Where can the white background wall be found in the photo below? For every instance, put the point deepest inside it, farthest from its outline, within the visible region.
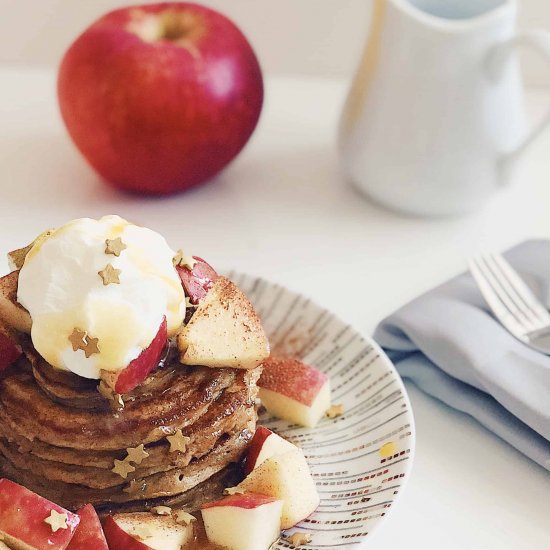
(313, 37)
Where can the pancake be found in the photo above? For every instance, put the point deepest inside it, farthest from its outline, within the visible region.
(60, 437)
(176, 438)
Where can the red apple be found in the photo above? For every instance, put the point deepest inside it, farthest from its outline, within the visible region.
(138, 370)
(89, 533)
(9, 349)
(264, 445)
(160, 97)
(145, 531)
(197, 281)
(294, 391)
(22, 520)
(243, 522)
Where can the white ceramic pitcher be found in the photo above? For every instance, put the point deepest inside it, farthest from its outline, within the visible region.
(435, 113)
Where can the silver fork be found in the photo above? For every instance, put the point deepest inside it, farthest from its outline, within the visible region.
(512, 301)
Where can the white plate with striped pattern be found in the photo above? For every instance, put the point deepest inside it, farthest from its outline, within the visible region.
(361, 460)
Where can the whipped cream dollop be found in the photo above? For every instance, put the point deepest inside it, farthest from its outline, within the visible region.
(68, 288)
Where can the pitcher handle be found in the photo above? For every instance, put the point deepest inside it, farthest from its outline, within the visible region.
(539, 41)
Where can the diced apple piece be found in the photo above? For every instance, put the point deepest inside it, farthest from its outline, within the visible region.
(264, 445)
(224, 331)
(16, 258)
(119, 539)
(89, 533)
(197, 281)
(285, 477)
(22, 520)
(145, 531)
(294, 391)
(138, 369)
(9, 348)
(243, 522)
(12, 313)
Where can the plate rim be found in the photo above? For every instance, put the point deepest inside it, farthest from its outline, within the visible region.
(235, 274)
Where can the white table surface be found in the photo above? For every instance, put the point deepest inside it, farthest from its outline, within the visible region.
(283, 211)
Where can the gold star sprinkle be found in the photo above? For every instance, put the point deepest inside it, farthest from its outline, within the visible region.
(183, 518)
(162, 510)
(114, 246)
(183, 260)
(122, 468)
(137, 454)
(388, 449)
(119, 402)
(91, 347)
(56, 521)
(335, 410)
(297, 539)
(233, 491)
(81, 340)
(78, 339)
(177, 258)
(178, 442)
(110, 275)
(108, 393)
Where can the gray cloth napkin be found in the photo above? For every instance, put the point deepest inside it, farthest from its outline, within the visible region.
(448, 343)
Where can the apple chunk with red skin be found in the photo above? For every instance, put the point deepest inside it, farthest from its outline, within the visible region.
(285, 477)
(22, 515)
(10, 350)
(119, 539)
(264, 445)
(224, 331)
(294, 391)
(160, 97)
(197, 281)
(243, 522)
(89, 533)
(145, 531)
(138, 369)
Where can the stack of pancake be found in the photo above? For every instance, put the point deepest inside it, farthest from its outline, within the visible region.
(60, 437)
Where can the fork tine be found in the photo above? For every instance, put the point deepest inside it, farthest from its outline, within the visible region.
(502, 288)
(504, 310)
(521, 291)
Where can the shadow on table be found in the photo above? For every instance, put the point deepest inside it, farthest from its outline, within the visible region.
(44, 171)
(306, 180)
